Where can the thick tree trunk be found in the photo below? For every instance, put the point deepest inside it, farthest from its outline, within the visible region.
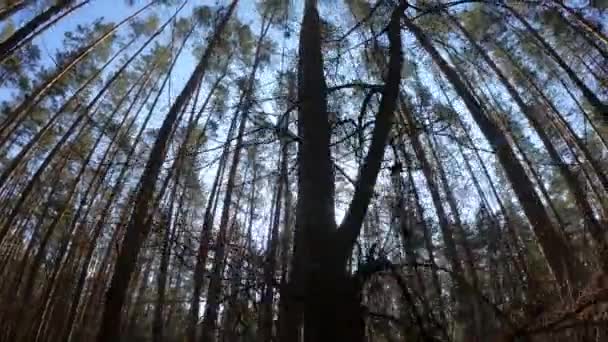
(321, 289)
(315, 207)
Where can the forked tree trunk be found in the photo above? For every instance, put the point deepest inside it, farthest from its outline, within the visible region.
(322, 292)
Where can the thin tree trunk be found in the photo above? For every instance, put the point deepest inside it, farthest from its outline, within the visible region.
(565, 267)
(208, 332)
(428, 240)
(571, 180)
(205, 239)
(586, 24)
(465, 309)
(600, 107)
(117, 188)
(157, 324)
(73, 221)
(66, 206)
(25, 150)
(8, 44)
(266, 316)
(9, 10)
(15, 116)
(21, 38)
(566, 130)
(134, 237)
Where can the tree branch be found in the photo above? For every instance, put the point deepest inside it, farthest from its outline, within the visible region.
(351, 226)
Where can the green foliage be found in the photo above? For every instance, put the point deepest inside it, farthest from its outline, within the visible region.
(145, 26)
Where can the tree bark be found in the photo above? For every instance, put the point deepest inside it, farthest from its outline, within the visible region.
(565, 267)
(20, 38)
(8, 44)
(571, 180)
(134, 237)
(15, 116)
(600, 107)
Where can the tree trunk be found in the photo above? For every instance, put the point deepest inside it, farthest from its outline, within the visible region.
(321, 289)
(564, 128)
(426, 231)
(134, 237)
(25, 150)
(9, 10)
(35, 27)
(15, 116)
(208, 332)
(266, 316)
(8, 44)
(465, 310)
(67, 205)
(205, 237)
(571, 180)
(566, 268)
(115, 191)
(169, 230)
(601, 108)
(56, 149)
(586, 24)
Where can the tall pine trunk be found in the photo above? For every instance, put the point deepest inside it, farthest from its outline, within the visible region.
(601, 108)
(572, 182)
(8, 44)
(134, 237)
(565, 267)
(15, 116)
